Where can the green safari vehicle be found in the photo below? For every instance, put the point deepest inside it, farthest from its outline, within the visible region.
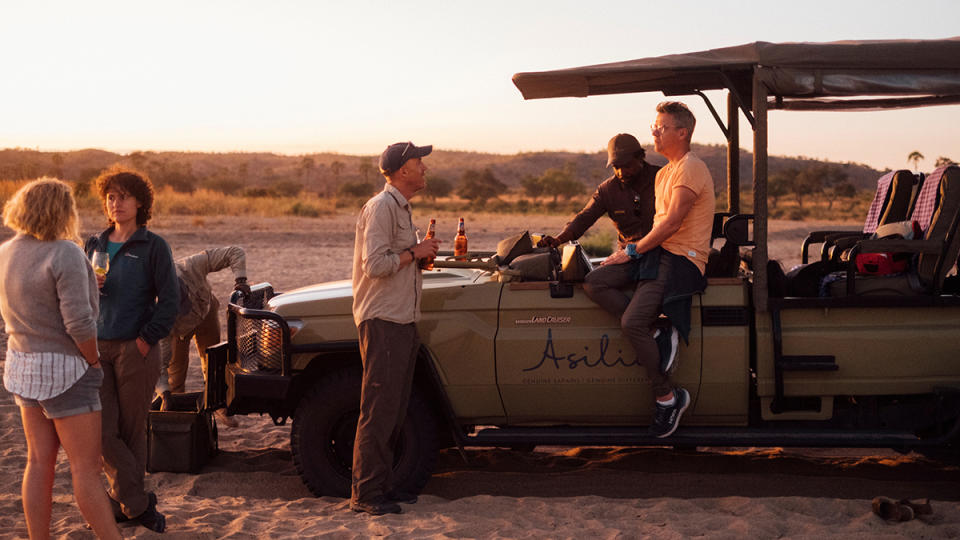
(507, 360)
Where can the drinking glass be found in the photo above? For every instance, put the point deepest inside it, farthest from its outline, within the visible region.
(101, 264)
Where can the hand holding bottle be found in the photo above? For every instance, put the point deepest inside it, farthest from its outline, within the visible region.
(426, 261)
(427, 249)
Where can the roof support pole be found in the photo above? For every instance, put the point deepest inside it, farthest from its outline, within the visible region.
(760, 190)
(716, 116)
(733, 155)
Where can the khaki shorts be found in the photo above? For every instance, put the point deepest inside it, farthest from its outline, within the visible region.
(83, 397)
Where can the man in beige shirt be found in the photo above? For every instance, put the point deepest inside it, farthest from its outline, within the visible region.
(198, 319)
(386, 308)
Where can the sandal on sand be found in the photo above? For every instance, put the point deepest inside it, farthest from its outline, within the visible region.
(891, 510)
(919, 508)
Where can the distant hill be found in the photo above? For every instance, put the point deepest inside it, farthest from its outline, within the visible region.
(324, 172)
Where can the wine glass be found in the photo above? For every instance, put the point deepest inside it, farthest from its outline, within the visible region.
(101, 264)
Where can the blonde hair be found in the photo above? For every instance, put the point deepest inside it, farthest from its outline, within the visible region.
(45, 209)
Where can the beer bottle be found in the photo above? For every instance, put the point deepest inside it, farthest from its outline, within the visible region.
(460, 243)
(427, 262)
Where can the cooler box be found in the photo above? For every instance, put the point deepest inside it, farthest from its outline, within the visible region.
(183, 438)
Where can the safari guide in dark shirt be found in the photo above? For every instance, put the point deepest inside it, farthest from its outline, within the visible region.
(627, 196)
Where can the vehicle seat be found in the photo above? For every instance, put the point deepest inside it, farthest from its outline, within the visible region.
(735, 230)
(893, 199)
(936, 253)
(891, 203)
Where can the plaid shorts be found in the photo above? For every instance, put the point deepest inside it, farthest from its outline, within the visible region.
(82, 397)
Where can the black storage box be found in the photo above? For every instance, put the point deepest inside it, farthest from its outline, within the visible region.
(183, 438)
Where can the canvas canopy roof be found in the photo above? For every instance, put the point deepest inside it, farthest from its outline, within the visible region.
(899, 73)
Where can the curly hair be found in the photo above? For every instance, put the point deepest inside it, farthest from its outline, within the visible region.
(45, 209)
(133, 183)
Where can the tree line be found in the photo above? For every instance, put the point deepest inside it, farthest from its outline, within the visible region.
(533, 178)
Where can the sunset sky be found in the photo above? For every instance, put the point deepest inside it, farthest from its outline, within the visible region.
(352, 76)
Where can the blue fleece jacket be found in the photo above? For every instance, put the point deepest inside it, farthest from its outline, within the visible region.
(141, 293)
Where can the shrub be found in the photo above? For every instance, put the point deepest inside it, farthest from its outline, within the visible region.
(798, 214)
(286, 188)
(304, 210)
(257, 192)
(226, 186)
(598, 244)
(359, 190)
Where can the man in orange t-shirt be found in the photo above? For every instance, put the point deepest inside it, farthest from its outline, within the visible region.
(680, 237)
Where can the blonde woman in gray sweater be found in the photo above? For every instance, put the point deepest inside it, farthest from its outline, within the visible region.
(49, 304)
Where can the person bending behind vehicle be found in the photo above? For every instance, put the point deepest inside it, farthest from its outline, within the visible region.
(48, 300)
(386, 307)
(677, 245)
(198, 318)
(627, 196)
(138, 304)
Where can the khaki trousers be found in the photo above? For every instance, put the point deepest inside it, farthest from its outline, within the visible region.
(389, 352)
(206, 334)
(128, 382)
(637, 315)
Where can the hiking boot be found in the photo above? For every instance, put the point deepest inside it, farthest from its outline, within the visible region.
(376, 507)
(668, 343)
(401, 497)
(150, 518)
(118, 514)
(667, 418)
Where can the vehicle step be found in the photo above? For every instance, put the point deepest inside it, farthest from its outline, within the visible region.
(691, 436)
(809, 363)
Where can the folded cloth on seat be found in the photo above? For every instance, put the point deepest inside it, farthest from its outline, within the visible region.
(684, 281)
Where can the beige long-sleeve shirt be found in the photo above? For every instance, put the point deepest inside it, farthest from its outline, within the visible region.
(381, 288)
(193, 270)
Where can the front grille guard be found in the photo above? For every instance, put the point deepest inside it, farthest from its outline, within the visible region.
(259, 340)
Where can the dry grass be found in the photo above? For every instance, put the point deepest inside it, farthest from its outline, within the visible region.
(205, 202)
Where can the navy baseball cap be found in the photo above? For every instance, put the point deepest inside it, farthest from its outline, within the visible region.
(399, 153)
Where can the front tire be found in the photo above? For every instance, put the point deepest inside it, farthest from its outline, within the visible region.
(324, 427)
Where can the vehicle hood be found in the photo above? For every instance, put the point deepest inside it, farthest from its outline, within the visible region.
(337, 296)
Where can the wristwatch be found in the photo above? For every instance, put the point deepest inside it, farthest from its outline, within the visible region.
(412, 256)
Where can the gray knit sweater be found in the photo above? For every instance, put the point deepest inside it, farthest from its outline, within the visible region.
(49, 299)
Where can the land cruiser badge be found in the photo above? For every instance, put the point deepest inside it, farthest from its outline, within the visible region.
(544, 319)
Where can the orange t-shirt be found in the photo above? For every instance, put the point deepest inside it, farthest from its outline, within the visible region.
(692, 240)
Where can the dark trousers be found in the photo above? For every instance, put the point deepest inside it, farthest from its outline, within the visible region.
(389, 352)
(637, 315)
(128, 382)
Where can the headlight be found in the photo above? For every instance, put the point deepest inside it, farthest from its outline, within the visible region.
(259, 345)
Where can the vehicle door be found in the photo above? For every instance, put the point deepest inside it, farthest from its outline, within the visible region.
(565, 360)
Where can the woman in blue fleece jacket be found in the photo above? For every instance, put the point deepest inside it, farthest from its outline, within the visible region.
(138, 305)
